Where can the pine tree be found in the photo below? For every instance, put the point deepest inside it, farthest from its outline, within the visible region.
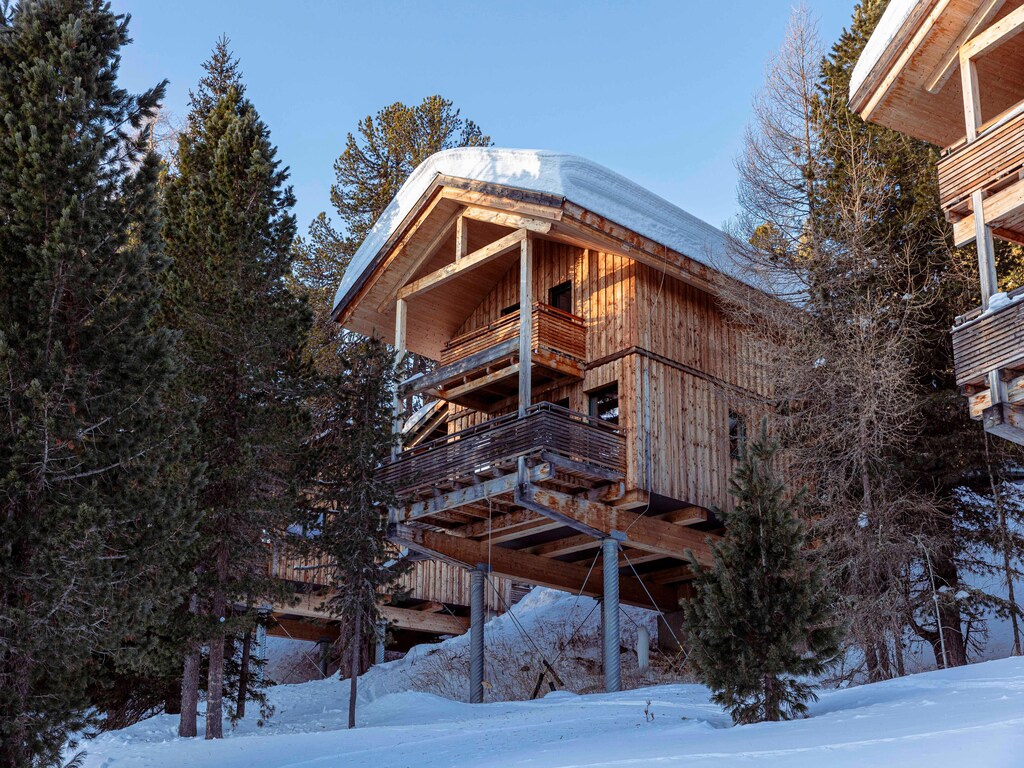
(95, 490)
(229, 232)
(387, 149)
(761, 620)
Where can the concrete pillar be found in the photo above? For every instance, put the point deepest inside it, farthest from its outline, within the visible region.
(612, 660)
(476, 636)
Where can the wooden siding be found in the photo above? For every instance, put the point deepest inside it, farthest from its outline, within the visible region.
(681, 365)
(431, 581)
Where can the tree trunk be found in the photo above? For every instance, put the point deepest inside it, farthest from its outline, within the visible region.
(189, 693)
(357, 652)
(172, 698)
(215, 679)
(243, 673)
(189, 700)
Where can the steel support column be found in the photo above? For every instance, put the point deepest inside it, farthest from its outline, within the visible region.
(612, 661)
(476, 636)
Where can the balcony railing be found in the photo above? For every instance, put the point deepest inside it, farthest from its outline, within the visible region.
(989, 341)
(497, 444)
(993, 159)
(479, 368)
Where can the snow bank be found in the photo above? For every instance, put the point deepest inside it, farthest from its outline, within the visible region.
(971, 716)
(577, 179)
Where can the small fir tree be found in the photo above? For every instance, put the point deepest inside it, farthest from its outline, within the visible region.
(355, 438)
(229, 231)
(761, 622)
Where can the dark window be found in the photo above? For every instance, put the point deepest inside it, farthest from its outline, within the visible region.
(737, 434)
(604, 404)
(510, 309)
(560, 297)
(563, 403)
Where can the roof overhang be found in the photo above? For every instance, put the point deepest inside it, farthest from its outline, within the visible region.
(908, 76)
(424, 243)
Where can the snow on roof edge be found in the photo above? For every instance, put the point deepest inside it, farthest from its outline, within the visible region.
(889, 26)
(588, 184)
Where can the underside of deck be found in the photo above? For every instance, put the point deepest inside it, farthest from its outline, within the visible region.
(532, 498)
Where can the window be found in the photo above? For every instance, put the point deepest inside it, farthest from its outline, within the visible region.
(560, 297)
(737, 434)
(562, 403)
(604, 404)
(510, 309)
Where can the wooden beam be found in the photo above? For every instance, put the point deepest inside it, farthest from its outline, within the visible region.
(456, 268)
(986, 249)
(505, 219)
(686, 516)
(297, 629)
(508, 526)
(441, 623)
(971, 97)
(505, 372)
(533, 569)
(396, 402)
(469, 494)
(1008, 26)
(647, 534)
(525, 323)
(425, 255)
(996, 206)
(941, 74)
(461, 238)
(569, 465)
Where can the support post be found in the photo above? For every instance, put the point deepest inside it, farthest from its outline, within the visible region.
(525, 324)
(461, 238)
(986, 249)
(382, 630)
(476, 636)
(612, 660)
(400, 323)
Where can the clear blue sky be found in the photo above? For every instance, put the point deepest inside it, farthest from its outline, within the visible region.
(658, 91)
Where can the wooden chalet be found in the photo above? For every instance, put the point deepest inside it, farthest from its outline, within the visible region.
(586, 397)
(951, 72)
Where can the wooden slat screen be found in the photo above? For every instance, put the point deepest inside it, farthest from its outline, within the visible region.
(988, 343)
(975, 166)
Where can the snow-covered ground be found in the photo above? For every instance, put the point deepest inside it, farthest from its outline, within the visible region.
(972, 716)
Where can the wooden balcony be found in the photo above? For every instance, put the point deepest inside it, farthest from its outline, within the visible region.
(991, 341)
(992, 164)
(480, 369)
(585, 449)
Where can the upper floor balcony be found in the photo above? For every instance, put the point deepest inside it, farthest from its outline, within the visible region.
(480, 369)
(991, 165)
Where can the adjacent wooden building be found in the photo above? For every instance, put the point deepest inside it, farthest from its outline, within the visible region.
(951, 72)
(586, 386)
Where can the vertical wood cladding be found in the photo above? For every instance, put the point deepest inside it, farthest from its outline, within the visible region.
(680, 364)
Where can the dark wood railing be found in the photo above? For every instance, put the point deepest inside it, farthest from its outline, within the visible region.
(993, 156)
(499, 442)
(553, 329)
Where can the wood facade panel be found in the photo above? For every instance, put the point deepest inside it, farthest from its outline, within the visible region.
(681, 366)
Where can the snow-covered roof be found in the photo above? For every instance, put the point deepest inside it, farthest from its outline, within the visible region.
(892, 21)
(585, 183)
